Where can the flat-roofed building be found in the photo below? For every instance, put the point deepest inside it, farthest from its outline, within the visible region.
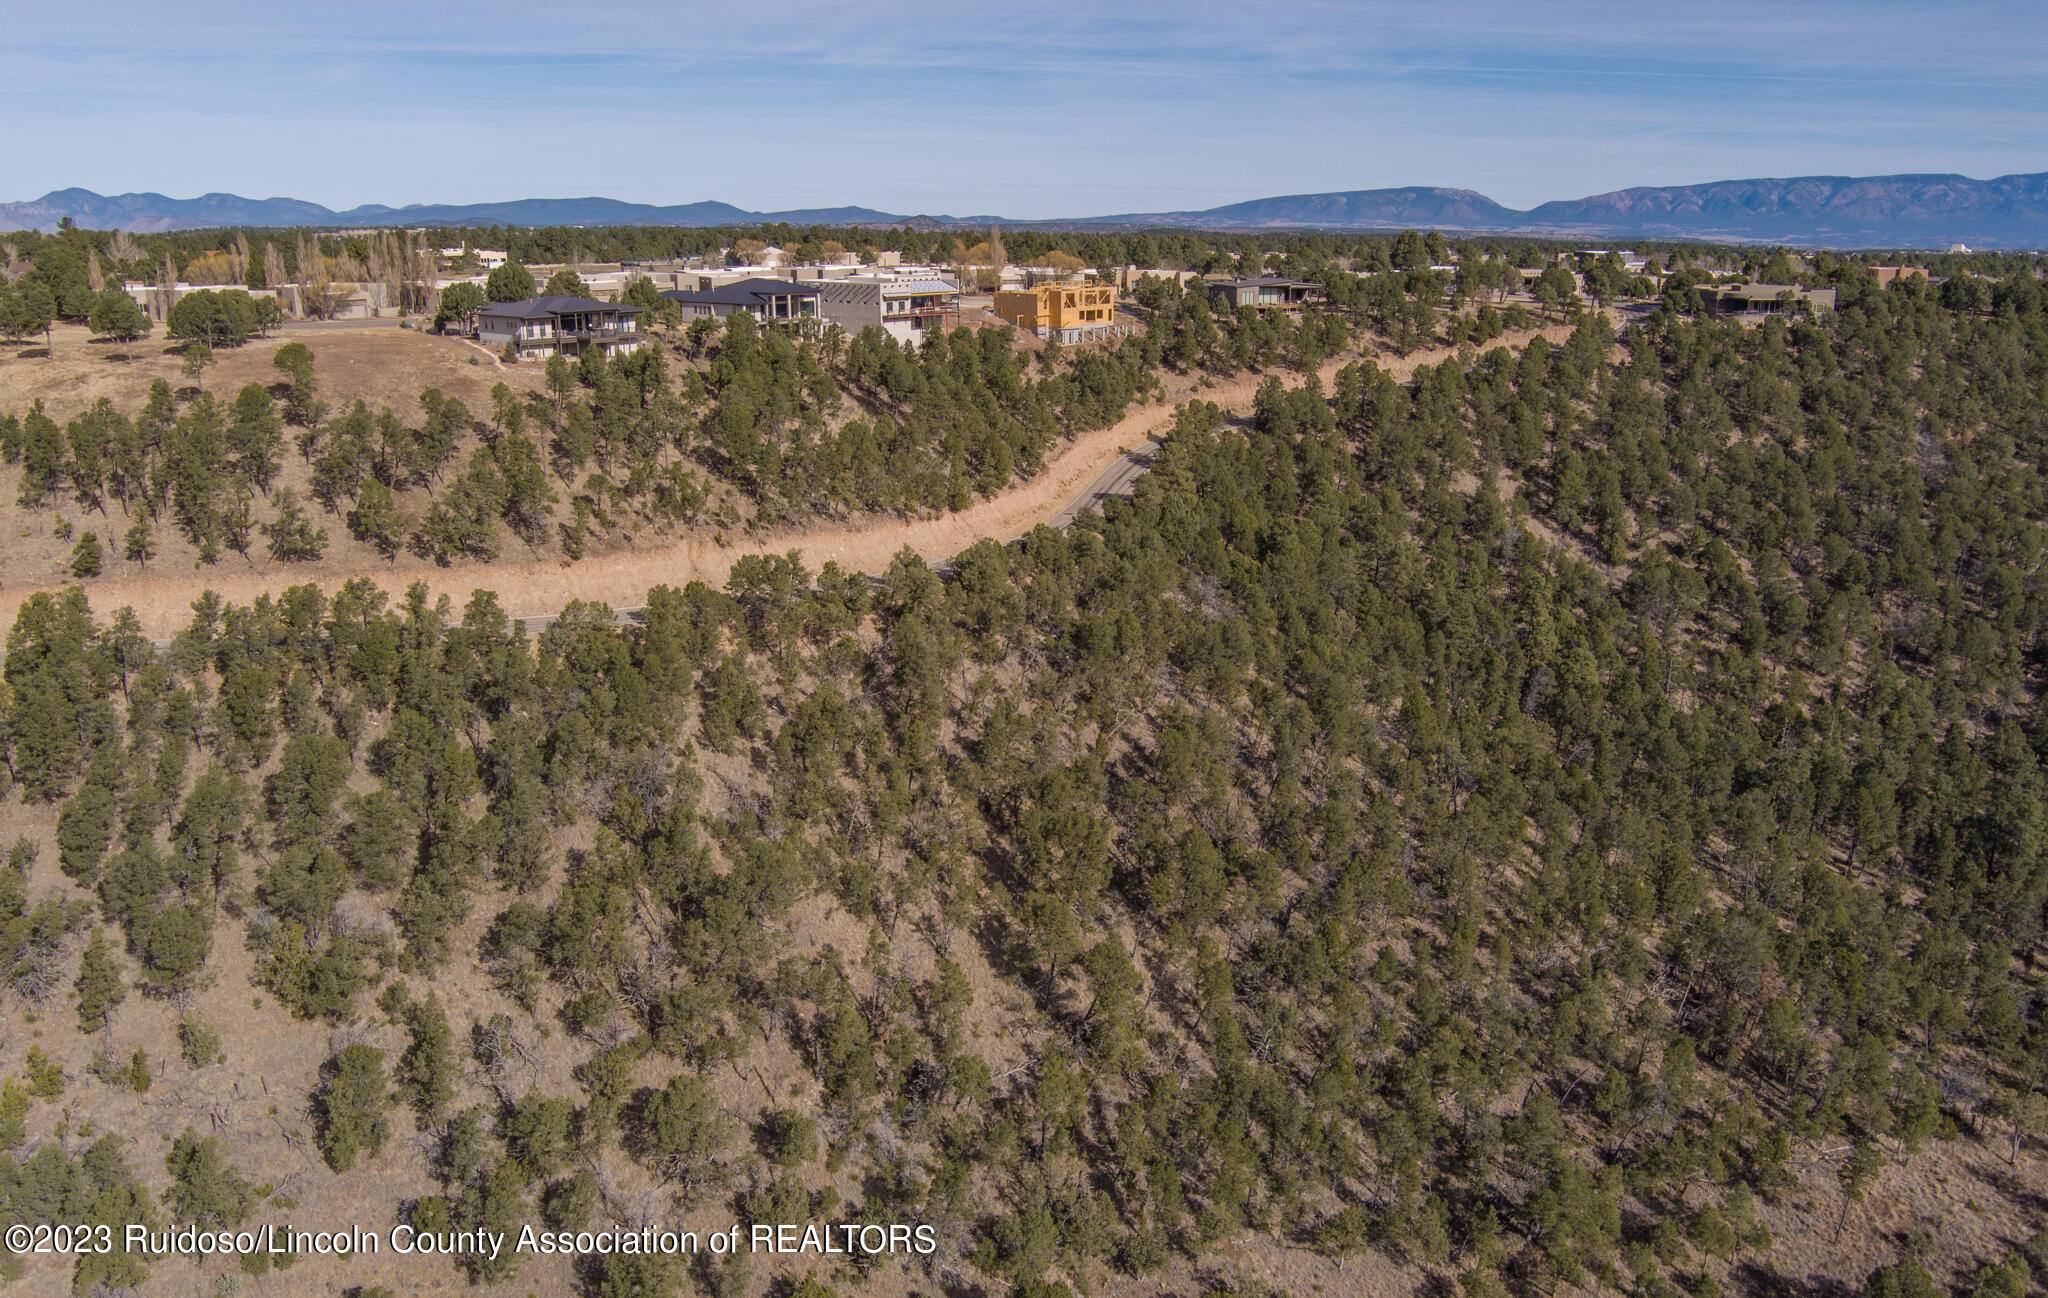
(1067, 313)
(1886, 274)
(544, 326)
(905, 306)
(1765, 299)
(767, 300)
(1265, 292)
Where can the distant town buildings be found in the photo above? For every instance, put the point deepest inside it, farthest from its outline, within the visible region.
(1583, 257)
(545, 326)
(488, 258)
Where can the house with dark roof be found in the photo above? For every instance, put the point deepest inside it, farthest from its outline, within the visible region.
(767, 300)
(1265, 292)
(546, 326)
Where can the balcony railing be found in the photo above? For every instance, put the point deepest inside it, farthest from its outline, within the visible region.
(898, 311)
(578, 335)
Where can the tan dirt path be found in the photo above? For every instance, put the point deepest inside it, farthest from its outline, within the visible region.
(534, 589)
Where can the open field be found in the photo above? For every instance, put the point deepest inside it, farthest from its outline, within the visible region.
(382, 365)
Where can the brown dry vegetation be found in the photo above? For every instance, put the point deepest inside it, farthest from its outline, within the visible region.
(378, 364)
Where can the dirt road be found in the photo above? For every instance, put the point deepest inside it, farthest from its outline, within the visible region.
(1087, 469)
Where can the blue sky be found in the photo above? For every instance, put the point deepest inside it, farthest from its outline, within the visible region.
(1049, 109)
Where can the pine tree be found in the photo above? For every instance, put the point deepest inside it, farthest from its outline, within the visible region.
(684, 1129)
(426, 1071)
(99, 985)
(292, 536)
(86, 557)
(295, 360)
(175, 941)
(115, 315)
(350, 1106)
(139, 545)
(205, 1189)
(375, 518)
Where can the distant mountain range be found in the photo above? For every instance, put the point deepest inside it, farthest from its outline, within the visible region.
(1811, 211)
(1816, 211)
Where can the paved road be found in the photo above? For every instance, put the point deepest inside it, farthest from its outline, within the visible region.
(417, 323)
(1119, 479)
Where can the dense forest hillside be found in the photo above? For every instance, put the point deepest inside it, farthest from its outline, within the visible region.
(1570, 821)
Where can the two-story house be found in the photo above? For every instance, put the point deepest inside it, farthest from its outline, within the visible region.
(1067, 313)
(904, 306)
(545, 326)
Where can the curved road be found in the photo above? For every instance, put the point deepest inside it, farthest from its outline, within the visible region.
(1119, 480)
(1084, 472)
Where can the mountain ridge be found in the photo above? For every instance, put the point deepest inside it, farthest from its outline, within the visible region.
(1906, 210)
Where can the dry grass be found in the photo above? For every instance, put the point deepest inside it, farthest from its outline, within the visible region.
(382, 365)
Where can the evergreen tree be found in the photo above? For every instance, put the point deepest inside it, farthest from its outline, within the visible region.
(510, 282)
(350, 1106)
(426, 1071)
(100, 987)
(205, 1190)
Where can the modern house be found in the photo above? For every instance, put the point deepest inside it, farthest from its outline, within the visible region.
(1068, 313)
(545, 326)
(1886, 274)
(905, 306)
(1266, 292)
(767, 300)
(1756, 300)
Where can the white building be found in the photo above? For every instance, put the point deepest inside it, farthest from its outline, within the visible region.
(488, 258)
(906, 306)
